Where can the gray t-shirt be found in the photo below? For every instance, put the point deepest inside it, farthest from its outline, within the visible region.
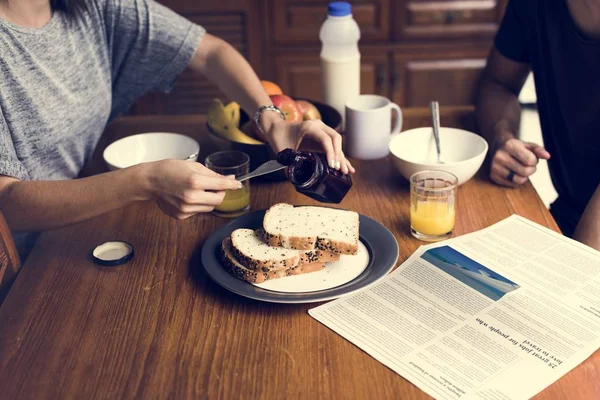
(62, 83)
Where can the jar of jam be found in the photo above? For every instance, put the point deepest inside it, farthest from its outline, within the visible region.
(312, 176)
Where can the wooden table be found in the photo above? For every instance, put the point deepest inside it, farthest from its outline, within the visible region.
(158, 327)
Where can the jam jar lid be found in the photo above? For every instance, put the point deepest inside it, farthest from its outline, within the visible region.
(112, 253)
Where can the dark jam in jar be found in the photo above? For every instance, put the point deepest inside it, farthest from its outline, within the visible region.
(312, 176)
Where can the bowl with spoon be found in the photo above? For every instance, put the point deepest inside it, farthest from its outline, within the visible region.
(456, 151)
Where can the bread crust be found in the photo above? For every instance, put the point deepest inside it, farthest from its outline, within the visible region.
(307, 243)
(261, 265)
(314, 256)
(232, 265)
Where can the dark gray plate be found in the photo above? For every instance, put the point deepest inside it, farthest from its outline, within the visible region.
(381, 244)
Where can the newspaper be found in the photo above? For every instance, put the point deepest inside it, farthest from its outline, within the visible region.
(498, 314)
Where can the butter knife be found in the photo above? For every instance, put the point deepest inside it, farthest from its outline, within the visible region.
(264, 169)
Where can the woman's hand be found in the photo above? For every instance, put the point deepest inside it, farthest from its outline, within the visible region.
(288, 135)
(222, 64)
(182, 188)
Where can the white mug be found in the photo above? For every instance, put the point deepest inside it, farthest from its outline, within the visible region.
(369, 126)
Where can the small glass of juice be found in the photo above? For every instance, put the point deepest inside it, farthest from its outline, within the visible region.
(236, 202)
(432, 205)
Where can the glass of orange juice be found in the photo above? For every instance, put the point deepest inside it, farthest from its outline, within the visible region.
(236, 202)
(432, 205)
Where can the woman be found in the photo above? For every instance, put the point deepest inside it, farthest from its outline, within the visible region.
(69, 67)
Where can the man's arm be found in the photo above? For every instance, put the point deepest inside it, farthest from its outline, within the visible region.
(498, 114)
(588, 228)
(498, 109)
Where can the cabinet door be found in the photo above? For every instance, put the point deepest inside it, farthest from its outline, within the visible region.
(427, 19)
(450, 78)
(299, 21)
(236, 22)
(461, 117)
(299, 75)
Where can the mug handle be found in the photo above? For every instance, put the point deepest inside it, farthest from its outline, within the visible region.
(398, 125)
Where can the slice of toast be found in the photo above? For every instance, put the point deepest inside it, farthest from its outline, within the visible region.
(315, 256)
(252, 252)
(252, 276)
(308, 228)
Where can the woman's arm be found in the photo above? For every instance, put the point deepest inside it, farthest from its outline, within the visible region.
(229, 70)
(588, 228)
(222, 64)
(181, 189)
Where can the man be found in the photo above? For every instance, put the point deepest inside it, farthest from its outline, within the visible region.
(559, 40)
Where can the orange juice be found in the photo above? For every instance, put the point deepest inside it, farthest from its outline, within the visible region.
(235, 200)
(432, 217)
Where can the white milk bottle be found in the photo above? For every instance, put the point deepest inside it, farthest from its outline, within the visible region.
(340, 58)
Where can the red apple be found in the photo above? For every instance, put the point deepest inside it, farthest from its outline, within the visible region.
(288, 106)
(308, 110)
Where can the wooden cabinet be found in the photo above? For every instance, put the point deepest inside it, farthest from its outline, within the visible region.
(410, 78)
(299, 21)
(448, 77)
(413, 51)
(447, 20)
(235, 21)
(300, 75)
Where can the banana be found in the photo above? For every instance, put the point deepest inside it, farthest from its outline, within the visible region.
(232, 111)
(224, 122)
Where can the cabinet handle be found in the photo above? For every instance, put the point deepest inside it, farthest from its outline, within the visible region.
(438, 16)
(381, 80)
(450, 17)
(395, 79)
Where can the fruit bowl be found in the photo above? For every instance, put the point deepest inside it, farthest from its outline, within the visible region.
(261, 152)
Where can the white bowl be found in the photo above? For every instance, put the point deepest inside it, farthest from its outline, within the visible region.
(414, 151)
(148, 147)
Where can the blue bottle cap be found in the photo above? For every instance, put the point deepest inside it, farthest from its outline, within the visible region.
(339, 9)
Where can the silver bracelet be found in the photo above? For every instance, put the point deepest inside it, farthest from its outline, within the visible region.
(260, 112)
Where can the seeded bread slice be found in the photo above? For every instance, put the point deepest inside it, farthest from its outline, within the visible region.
(233, 266)
(252, 276)
(308, 228)
(306, 268)
(251, 251)
(308, 256)
(318, 256)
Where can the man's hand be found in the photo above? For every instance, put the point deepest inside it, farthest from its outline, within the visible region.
(514, 161)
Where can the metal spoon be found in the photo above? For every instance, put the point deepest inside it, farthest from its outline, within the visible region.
(264, 169)
(435, 116)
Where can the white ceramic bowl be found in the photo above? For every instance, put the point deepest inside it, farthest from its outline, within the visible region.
(414, 150)
(148, 147)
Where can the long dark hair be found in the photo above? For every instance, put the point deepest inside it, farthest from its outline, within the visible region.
(73, 8)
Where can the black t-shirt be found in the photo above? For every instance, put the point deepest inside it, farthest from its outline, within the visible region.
(566, 68)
